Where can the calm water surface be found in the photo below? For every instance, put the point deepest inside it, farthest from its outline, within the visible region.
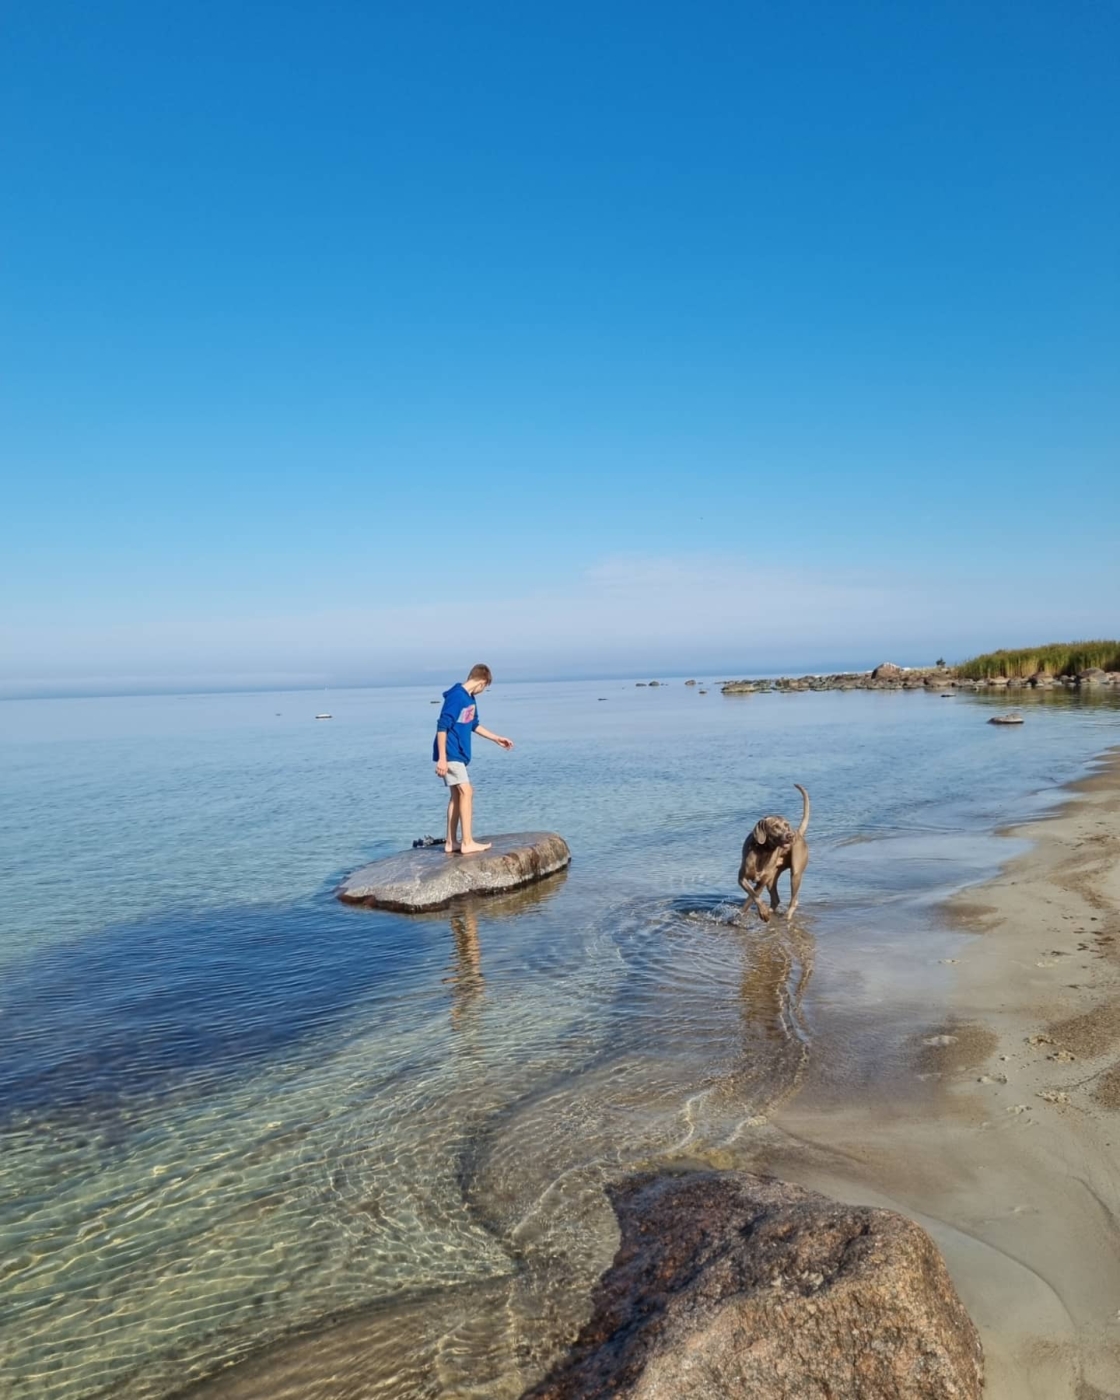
(365, 1151)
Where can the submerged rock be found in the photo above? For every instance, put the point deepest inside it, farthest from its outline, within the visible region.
(428, 878)
(728, 1284)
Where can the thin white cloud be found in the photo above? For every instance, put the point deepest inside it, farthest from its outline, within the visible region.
(635, 612)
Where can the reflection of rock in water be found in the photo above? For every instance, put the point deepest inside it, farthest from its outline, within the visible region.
(465, 974)
(703, 1036)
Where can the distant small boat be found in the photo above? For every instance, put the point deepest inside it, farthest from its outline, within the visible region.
(1006, 719)
(324, 716)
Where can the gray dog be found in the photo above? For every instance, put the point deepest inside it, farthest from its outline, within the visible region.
(771, 848)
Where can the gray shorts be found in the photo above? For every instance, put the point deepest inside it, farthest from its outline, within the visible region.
(457, 774)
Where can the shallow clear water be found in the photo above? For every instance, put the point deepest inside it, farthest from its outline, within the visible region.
(234, 1110)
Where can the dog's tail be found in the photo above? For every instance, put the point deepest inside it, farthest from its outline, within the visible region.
(804, 827)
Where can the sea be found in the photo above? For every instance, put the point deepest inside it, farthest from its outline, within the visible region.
(258, 1143)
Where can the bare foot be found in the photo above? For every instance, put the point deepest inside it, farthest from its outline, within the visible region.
(450, 850)
(469, 850)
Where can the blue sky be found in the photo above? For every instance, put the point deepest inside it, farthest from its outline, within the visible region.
(357, 342)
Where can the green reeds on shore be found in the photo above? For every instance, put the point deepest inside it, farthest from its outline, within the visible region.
(1057, 659)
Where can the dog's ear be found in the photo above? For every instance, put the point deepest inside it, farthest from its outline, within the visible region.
(760, 833)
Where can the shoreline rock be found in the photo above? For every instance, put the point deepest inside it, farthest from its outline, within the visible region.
(426, 878)
(891, 677)
(730, 1284)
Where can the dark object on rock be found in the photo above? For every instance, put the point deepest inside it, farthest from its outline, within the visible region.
(690, 682)
(423, 842)
(727, 1284)
(1006, 719)
(429, 878)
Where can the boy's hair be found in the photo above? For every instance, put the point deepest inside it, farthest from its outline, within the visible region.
(481, 673)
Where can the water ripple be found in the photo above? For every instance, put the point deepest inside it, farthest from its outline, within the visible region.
(363, 1155)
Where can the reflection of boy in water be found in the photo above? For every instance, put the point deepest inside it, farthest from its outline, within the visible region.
(466, 978)
(451, 753)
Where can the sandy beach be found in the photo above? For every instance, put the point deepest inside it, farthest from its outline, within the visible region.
(1000, 1130)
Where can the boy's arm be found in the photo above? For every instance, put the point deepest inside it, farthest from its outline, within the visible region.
(441, 752)
(494, 738)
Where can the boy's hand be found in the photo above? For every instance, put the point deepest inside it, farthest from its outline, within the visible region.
(498, 739)
(441, 768)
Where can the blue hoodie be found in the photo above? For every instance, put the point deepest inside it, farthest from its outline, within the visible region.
(458, 720)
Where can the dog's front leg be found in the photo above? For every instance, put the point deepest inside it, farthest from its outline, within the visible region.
(753, 892)
(764, 878)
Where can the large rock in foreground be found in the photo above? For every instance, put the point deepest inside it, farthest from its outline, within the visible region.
(727, 1284)
(429, 878)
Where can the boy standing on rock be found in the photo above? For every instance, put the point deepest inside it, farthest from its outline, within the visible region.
(458, 720)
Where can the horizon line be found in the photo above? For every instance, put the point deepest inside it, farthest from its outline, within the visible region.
(154, 690)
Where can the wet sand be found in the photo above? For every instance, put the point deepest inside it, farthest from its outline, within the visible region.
(999, 1130)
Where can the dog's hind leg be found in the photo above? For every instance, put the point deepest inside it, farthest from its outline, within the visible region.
(775, 897)
(798, 862)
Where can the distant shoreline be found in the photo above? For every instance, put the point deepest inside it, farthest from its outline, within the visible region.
(439, 682)
(946, 678)
(1041, 668)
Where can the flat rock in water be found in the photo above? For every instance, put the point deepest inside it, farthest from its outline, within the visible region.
(728, 1284)
(429, 878)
